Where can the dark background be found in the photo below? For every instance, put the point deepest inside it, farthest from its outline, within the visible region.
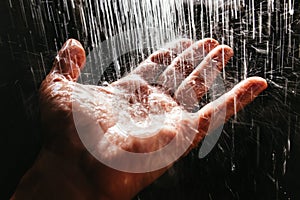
(235, 169)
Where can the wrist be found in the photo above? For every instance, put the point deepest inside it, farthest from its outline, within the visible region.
(56, 175)
(53, 177)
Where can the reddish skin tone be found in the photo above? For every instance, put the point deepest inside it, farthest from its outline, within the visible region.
(64, 169)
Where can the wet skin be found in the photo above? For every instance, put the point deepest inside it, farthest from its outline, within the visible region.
(65, 169)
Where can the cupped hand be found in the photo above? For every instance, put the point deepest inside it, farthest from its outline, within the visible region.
(89, 128)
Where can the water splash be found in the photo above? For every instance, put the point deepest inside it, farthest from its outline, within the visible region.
(264, 35)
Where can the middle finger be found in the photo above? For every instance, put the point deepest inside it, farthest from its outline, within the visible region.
(185, 63)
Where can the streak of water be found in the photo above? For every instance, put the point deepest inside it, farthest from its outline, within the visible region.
(261, 32)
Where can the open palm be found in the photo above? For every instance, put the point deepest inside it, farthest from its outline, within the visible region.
(151, 112)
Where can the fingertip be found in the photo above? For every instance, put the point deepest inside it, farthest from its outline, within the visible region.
(221, 54)
(210, 43)
(227, 50)
(221, 51)
(70, 59)
(72, 49)
(161, 57)
(256, 84)
(185, 43)
(258, 81)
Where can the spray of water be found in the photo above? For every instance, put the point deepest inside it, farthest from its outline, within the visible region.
(264, 35)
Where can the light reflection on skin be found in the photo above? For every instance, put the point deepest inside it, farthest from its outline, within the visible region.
(66, 168)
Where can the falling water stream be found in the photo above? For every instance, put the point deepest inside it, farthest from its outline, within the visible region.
(264, 35)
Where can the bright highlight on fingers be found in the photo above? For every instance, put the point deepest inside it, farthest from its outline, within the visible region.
(229, 104)
(184, 64)
(191, 90)
(244, 93)
(158, 61)
(70, 60)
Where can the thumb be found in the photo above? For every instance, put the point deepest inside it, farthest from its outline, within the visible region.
(70, 60)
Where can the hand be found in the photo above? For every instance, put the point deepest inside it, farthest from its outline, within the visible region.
(169, 83)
